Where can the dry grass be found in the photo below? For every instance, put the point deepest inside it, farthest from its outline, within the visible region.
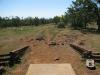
(12, 38)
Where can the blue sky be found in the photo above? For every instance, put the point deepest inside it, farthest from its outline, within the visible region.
(38, 8)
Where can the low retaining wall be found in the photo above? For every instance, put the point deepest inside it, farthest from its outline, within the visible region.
(12, 57)
(86, 53)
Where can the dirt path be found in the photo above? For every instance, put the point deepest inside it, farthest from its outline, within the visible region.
(43, 54)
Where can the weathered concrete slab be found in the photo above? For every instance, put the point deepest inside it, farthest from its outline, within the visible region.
(50, 69)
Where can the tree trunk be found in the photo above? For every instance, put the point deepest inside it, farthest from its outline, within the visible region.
(98, 23)
(98, 20)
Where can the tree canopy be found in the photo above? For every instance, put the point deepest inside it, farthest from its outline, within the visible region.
(82, 12)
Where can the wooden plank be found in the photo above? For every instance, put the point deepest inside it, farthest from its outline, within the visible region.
(86, 53)
(81, 49)
(50, 69)
(4, 55)
(96, 53)
(18, 50)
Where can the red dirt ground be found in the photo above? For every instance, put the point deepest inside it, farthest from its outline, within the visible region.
(42, 53)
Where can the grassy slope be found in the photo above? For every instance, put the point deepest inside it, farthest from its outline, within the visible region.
(9, 36)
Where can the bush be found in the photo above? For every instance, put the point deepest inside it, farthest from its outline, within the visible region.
(61, 25)
(40, 36)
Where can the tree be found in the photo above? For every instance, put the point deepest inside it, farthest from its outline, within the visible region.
(36, 21)
(0, 21)
(16, 21)
(43, 21)
(97, 11)
(65, 18)
(56, 19)
(82, 12)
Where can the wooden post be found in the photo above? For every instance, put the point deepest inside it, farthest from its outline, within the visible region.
(2, 70)
(12, 59)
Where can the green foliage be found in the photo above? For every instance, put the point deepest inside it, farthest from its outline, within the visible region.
(29, 21)
(56, 19)
(65, 18)
(82, 12)
(36, 21)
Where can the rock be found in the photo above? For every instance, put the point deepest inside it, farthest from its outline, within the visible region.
(52, 43)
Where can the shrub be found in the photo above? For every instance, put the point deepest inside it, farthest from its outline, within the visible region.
(40, 36)
(61, 25)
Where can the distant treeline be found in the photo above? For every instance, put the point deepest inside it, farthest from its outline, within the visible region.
(17, 21)
(29, 21)
(78, 15)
